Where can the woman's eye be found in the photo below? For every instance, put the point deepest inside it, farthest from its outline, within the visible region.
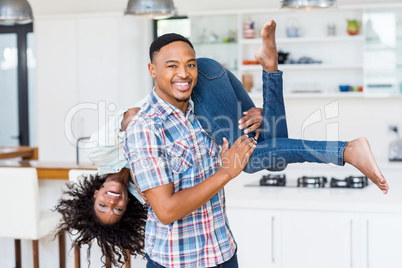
(119, 209)
(102, 205)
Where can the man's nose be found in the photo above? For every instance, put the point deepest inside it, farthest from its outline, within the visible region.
(182, 72)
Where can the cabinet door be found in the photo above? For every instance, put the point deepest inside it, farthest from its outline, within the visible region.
(382, 241)
(256, 232)
(319, 239)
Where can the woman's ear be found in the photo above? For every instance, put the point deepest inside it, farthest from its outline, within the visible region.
(96, 193)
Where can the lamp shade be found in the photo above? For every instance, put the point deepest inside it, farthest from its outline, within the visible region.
(307, 3)
(150, 7)
(15, 12)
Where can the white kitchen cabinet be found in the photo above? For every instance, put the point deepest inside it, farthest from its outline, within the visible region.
(383, 51)
(382, 240)
(257, 233)
(320, 239)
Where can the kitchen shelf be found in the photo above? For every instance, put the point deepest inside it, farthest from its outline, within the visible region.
(343, 56)
(213, 43)
(298, 40)
(313, 66)
(323, 95)
(309, 95)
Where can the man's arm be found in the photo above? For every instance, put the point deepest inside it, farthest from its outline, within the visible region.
(170, 206)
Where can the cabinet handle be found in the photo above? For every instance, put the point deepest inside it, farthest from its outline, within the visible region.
(351, 243)
(272, 239)
(367, 237)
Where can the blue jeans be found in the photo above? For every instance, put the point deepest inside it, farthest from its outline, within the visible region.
(232, 263)
(219, 102)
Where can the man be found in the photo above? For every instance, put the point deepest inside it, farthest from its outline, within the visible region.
(176, 164)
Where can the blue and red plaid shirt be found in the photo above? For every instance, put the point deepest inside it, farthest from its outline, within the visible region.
(163, 145)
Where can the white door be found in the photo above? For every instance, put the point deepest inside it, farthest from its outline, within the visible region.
(319, 239)
(382, 241)
(257, 234)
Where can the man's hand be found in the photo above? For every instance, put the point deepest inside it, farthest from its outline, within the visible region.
(251, 121)
(128, 115)
(235, 158)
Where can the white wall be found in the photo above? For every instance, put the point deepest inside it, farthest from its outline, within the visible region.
(368, 117)
(98, 61)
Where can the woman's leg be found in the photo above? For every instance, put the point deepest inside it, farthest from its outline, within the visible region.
(274, 151)
(220, 99)
(274, 123)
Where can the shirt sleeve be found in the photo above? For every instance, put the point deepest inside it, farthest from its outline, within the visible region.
(145, 153)
(107, 152)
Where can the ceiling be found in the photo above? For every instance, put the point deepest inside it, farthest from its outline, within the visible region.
(52, 7)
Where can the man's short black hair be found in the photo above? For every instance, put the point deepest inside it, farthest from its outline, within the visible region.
(164, 40)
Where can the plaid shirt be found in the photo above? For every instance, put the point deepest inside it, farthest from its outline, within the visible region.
(164, 146)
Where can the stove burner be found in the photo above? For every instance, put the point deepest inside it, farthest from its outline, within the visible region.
(336, 183)
(311, 182)
(273, 180)
(350, 182)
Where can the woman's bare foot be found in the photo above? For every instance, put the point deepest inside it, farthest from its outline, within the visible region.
(267, 55)
(358, 154)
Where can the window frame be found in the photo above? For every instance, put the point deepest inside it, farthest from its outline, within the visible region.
(22, 74)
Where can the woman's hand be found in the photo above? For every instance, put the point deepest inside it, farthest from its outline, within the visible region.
(128, 115)
(251, 121)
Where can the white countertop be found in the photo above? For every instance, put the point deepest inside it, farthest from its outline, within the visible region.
(240, 194)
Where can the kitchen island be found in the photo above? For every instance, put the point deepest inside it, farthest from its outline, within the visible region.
(322, 227)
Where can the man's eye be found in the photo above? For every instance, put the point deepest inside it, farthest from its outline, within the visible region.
(172, 66)
(191, 65)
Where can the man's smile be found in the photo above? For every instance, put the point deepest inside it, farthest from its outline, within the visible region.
(182, 85)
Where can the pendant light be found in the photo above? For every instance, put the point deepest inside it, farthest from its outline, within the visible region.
(307, 3)
(15, 12)
(151, 7)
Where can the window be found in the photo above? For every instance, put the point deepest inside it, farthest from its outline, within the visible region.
(14, 56)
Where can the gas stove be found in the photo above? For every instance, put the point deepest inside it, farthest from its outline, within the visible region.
(312, 182)
(352, 182)
(273, 180)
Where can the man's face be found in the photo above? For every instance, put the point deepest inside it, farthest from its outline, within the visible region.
(174, 69)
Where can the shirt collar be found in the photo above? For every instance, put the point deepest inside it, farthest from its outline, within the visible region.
(165, 109)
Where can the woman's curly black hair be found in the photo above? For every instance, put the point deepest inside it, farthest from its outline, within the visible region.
(79, 219)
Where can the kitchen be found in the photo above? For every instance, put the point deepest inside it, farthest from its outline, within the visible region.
(78, 63)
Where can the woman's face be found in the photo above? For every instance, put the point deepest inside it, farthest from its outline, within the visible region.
(111, 201)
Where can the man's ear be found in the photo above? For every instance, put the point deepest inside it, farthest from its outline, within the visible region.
(151, 69)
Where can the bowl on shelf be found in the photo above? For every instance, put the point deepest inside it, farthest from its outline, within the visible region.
(282, 56)
(344, 88)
